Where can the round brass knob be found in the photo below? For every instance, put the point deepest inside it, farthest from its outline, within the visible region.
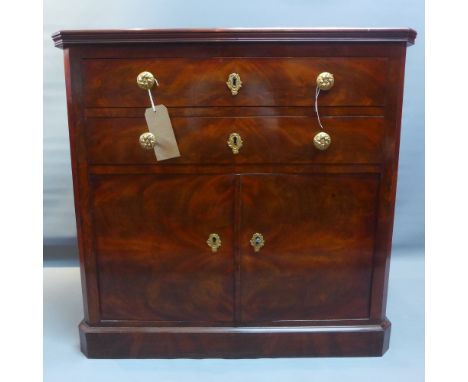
(325, 81)
(147, 141)
(146, 80)
(322, 140)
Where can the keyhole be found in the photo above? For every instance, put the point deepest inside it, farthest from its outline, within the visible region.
(257, 240)
(235, 140)
(234, 81)
(213, 239)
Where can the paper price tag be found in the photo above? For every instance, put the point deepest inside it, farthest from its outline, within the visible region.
(159, 124)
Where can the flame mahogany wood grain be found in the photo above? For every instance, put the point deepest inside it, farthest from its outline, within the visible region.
(151, 286)
(318, 231)
(152, 250)
(265, 81)
(265, 140)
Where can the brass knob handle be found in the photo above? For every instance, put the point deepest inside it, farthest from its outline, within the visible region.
(257, 241)
(214, 242)
(147, 141)
(235, 142)
(322, 140)
(146, 80)
(234, 83)
(325, 81)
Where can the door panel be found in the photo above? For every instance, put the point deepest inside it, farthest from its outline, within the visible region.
(153, 260)
(319, 239)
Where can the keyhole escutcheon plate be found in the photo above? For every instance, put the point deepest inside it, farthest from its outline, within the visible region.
(234, 142)
(214, 242)
(234, 83)
(257, 241)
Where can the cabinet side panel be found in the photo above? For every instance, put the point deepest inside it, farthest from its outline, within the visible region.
(387, 193)
(73, 83)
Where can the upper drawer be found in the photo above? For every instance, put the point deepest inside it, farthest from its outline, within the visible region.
(265, 81)
(203, 140)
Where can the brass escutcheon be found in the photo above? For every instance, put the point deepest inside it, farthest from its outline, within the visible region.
(147, 141)
(322, 140)
(325, 81)
(146, 80)
(214, 242)
(234, 83)
(257, 241)
(235, 142)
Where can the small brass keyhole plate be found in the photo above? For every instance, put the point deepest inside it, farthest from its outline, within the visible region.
(322, 140)
(234, 83)
(235, 142)
(214, 242)
(257, 241)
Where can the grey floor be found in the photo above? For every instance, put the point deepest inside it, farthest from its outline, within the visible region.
(404, 361)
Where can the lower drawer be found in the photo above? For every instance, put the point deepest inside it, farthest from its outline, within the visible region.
(355, 140)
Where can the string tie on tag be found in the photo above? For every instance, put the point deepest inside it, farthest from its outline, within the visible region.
(151, 99)
(317, 92)
(151, 96)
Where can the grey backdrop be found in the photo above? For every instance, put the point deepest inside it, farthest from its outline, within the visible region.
(59, 218)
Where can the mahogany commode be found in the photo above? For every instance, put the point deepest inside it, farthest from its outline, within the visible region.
(254, 242)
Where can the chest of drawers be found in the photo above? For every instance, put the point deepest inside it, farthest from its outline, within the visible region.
(254, 242)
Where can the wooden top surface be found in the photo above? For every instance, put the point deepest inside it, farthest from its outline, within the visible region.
(67, 38)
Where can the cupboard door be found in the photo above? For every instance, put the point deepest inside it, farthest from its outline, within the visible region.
(316, 262)
(151, 247)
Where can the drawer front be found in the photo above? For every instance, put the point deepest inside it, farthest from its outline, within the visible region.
(264, 140)
(265, 81)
